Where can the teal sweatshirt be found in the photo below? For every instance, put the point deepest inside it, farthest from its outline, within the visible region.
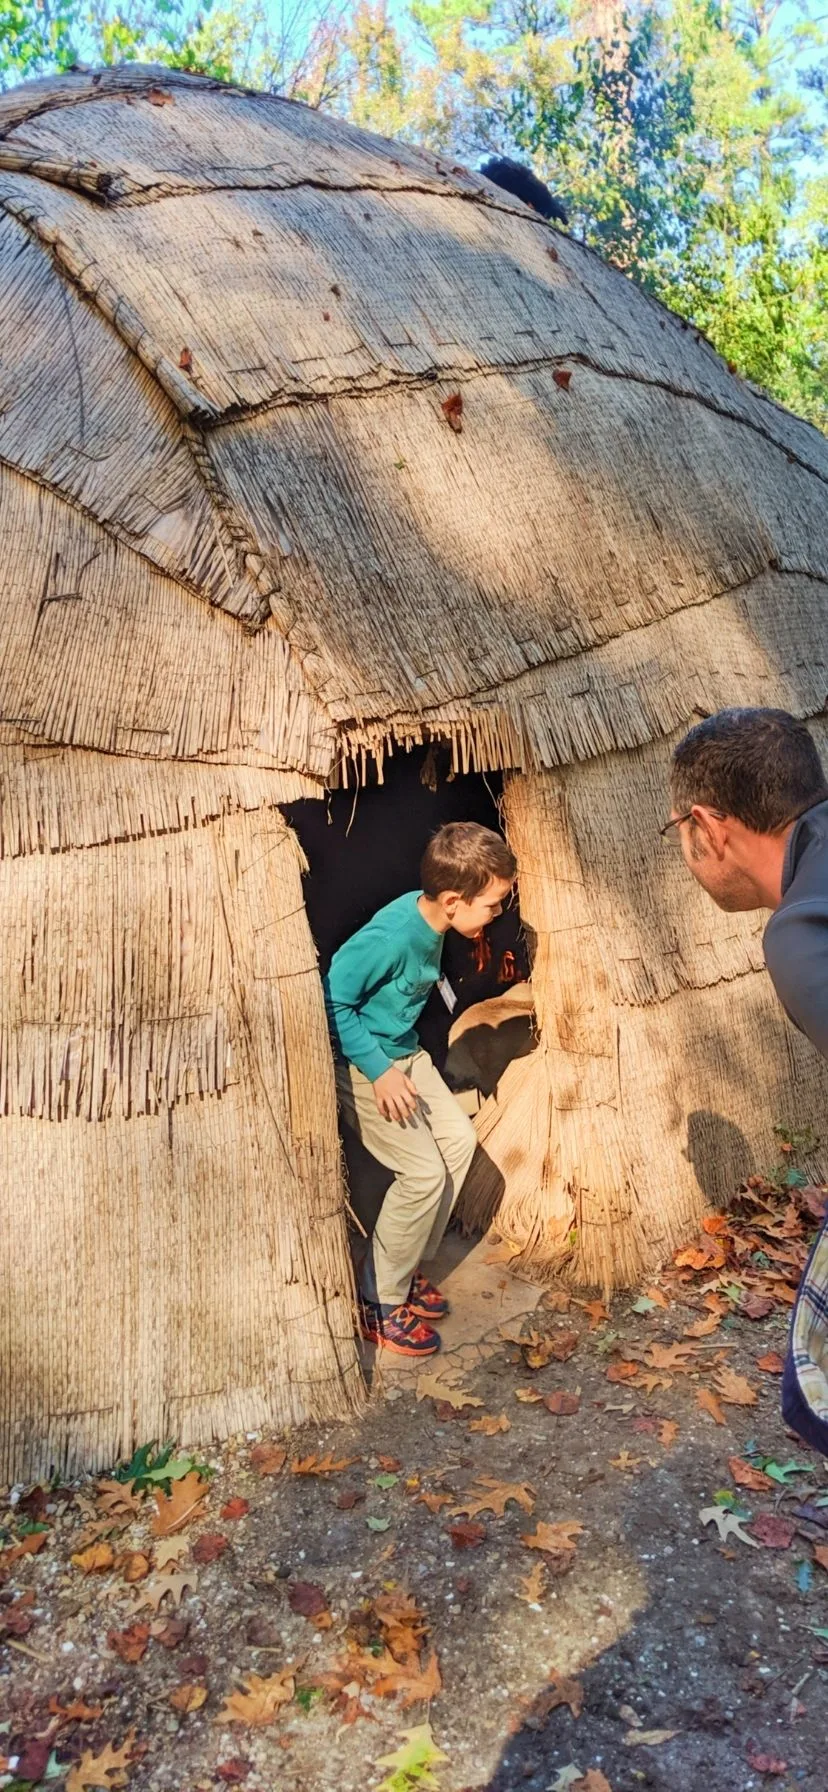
(378, 985)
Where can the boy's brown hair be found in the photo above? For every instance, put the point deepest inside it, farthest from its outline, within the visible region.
(464, 857)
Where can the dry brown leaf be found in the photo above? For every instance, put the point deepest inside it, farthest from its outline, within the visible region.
(648, 1381)
(745, 1475)
(76, 1713)
(708, 1402)
(703, 1327)
(656, 1294)
(28, 1546)
(771, 1363)
(489, 1426)
(181, 1506)
(593, 1781)
(258, 1701)
(95, 1560)
(188, 1697)
(321, 1465)
(130, 1644)
(562, 1404)
(412, 1683)
(434, 1501)
(170, 1549)
(268, 1459)
(160, 1585)
(677, 1358)
(135, 1567)
(109, 1768)
(528, 1396)
(622, 1371)
(667, 1433)
(489, 1495)
(554, 1539)
(563, 1691)
(626, 1463)
(452, 409)
(596, 1311)
(821, 1555)
(118, 1499)
(533, 1585)
(466, 1534)
(733, 1389)
(432, 1388)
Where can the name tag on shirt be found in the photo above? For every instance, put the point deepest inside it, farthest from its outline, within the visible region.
(447, 993)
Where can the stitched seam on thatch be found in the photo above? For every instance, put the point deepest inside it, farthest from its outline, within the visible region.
(587, 653)
(463, 376)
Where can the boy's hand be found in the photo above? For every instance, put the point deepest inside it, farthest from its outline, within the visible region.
(395, 1095)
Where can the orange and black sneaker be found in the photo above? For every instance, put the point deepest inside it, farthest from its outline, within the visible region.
(425, 1300)
(397, 1328)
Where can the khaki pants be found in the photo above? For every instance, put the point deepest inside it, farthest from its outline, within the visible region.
(431, 1155)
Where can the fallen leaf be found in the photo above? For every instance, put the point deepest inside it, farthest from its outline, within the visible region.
(170, 1549)
(109, 1768)
(432, 1388)
(347, 1498)
(755, 1306)
(648, 1738)
(764, 1763)
(677, 1358)
(555, 1539)
(556, 1347)
(169, 1632)
(33, 1759)
(307, 1600)
(772, 1531)
(771, 1363)
(596, 1311)
(528, 1396)
(188, 1697)
(158, 97)
(160, 1585)
(30, 1545)
(185, 360)
(118, 1499)
(821, 1555)
(593, 1781)
(321, 1465)
(96, 1560)
(209, 1547)
(667, 1433)
(434, 1501)
(562, 1404)
(489, 1426)
(533, 1585)
(703, 1327)
(76, 1713)
(733, 1389)
(489, 1495)
(181, 1506)
(563, 1691)
(562, 377)
(258, 1701)
(622, 1371)
(727, 1524)
(135, 1566)
(268, 1459)
(412, 1683)
(466, 1536)
(130, 1644)
(235, 1508)
(746, 1476)
(710, 1404)
(234, 1771)
(626, 1463)
(452, 409)
(656, 1295)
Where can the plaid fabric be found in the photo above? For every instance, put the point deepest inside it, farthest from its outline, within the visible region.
(805, 1382)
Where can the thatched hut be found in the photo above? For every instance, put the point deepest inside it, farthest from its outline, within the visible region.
(248, 550)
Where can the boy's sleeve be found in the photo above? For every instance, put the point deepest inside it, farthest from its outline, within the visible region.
(796, 954)
(357, 969)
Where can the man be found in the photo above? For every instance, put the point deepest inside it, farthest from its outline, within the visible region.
(750, 805)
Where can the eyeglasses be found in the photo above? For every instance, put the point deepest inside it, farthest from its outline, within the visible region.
(674, 822)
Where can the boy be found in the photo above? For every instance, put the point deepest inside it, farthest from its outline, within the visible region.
(389, 1090)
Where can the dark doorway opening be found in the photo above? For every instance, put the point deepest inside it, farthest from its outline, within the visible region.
(364, 848)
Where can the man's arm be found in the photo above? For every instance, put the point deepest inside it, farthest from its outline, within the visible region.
(796, 954)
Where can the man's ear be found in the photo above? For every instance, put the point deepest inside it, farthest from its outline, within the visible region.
(711, 829)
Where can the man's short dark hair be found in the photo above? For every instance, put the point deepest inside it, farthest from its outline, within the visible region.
(759, 765)
(464, 857)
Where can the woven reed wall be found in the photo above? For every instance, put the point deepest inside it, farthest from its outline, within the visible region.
(178, 1264)
(665, 1058)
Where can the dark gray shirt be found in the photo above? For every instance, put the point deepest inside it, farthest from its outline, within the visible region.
(796, 936)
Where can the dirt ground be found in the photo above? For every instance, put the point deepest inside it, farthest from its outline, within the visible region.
(645, 1620)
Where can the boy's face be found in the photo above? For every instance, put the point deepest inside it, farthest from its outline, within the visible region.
(469, 917)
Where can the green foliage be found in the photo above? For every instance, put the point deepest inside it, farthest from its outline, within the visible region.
(150, 1467)
(687, 138)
